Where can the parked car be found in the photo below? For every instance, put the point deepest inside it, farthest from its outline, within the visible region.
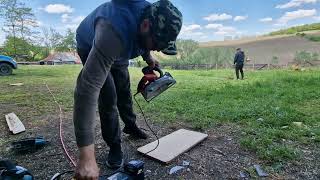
(7, 64)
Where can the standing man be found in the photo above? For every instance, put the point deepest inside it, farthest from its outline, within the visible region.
(239, 61)
(112, 34)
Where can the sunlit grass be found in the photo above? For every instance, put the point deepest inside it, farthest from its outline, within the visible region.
(264, 105)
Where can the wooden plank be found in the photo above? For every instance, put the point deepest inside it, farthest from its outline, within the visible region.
(14, 123)
(172, 145)
(16, 84)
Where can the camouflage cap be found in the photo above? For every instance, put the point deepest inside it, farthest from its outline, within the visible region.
(166, 22)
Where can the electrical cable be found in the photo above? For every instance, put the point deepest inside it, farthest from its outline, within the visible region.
(58, 175)
(65, 149)
(60, 128)
(145, 120)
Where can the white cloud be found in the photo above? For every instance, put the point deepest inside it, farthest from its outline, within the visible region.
(191, 31)
(196, 33)
(218, 17)
(78, 19)
(214, 26)
(301, 13)
(317, 18)
(295, 3)
(65, 18)
(58, 9)
(70, 22)
(191, 27)
(240, 18)
(267, 19)
(204, 37)
(226, 30)
(220, 29)
(282, 25)
(192, 35)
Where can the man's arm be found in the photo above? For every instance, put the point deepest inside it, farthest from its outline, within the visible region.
(151, 61)
(106, 48)
(235, 58)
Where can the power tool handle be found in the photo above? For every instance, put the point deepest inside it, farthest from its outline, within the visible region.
(149, 70)
(157, 68)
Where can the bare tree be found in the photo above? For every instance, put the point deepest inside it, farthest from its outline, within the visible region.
(27, 22)
(55, 38)
(46, 39)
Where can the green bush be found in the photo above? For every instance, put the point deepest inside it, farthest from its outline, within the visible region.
(305, 56)
(314, 38)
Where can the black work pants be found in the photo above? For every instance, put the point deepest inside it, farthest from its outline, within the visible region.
(239, 67)
(115, 96)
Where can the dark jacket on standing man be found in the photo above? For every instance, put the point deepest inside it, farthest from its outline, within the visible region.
(239, 58)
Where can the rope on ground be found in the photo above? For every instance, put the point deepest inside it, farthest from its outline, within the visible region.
(60, 128)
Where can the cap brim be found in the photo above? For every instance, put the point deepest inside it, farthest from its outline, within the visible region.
(171, 50)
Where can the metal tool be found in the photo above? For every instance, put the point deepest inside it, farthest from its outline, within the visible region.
(133, 170)
(9, 171)
(151, 85)
(28, 144)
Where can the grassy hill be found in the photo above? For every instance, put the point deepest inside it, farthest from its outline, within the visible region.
(298, 29)
(263, 49)
(282, 44)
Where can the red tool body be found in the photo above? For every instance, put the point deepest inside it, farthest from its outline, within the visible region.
(151, 85)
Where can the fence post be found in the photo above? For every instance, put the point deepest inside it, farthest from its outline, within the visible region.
(253, 66)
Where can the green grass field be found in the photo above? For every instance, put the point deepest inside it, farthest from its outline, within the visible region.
(265, 105)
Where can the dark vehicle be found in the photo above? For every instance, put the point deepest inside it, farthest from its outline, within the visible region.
(6, 65)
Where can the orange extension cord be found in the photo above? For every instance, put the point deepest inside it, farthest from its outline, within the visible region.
(60, 128)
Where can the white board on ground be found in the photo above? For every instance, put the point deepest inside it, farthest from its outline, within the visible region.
(16, 84)
(14, 123)
(172, 145)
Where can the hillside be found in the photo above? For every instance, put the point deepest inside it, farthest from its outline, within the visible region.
(298, 29)
(262, 49)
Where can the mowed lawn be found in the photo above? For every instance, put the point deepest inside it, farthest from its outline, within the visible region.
(278, 110)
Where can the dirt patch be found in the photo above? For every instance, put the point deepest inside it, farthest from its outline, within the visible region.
(218, 157)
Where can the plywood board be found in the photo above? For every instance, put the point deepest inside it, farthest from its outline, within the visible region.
(172, 145)
(14, 123)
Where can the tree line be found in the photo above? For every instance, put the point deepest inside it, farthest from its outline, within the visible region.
(189, 52)
(24, 39)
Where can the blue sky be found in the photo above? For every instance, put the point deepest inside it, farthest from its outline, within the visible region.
(204, 20)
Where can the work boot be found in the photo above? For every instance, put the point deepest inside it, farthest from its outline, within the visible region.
(115, 157)
(135, 132)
